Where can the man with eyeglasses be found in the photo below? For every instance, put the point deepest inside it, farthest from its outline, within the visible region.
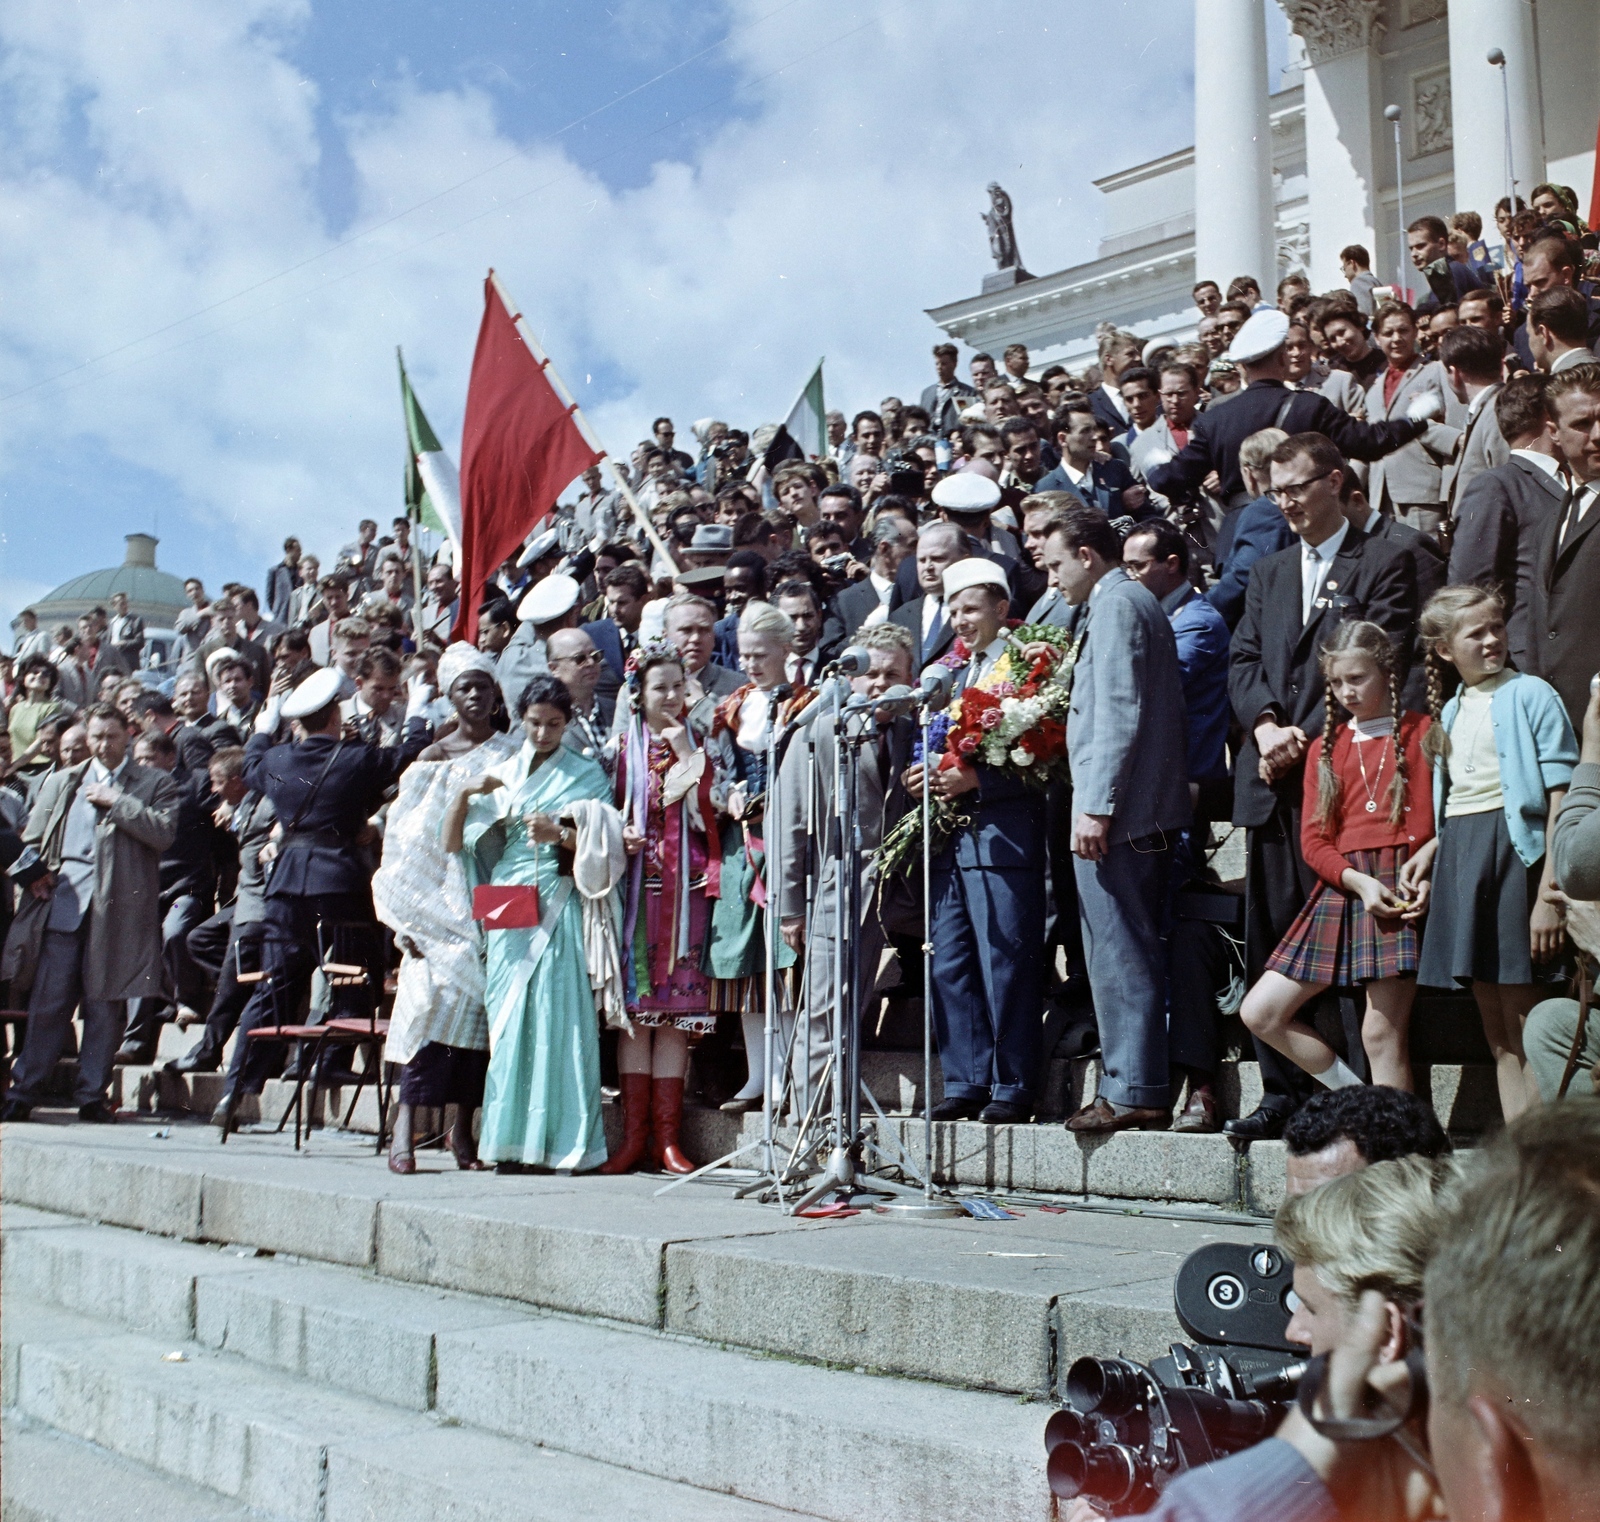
(573, 657)
(1295, 599)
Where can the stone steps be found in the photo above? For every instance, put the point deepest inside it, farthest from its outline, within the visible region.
(301, 1387)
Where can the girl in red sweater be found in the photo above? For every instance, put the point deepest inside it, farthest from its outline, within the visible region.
(1368, 811)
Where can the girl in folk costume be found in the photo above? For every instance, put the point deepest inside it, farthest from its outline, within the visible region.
(1503, 751)
(541, 1103)
(663, 787)
(744, 724)
(1367, 832)
(439, 1031)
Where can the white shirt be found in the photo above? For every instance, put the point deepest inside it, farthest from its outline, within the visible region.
(1314, 563)
(882, 585)
(932, 616)
(98, 773)
(800, 670)
(1583, 499)
(984, 660)
(1547, 463)
(1116, 399)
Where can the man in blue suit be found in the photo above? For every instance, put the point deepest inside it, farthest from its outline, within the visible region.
(1130, 795)
(1106, 484)
(323, 789)
(988, 898)
(1249, 532)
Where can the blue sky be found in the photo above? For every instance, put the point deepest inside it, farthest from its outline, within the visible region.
(807, 184)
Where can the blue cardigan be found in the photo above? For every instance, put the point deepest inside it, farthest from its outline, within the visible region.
(1537, 749)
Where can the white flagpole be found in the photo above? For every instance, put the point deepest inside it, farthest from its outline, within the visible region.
(590, 436)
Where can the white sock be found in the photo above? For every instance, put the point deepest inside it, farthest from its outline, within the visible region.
(1338, 1076)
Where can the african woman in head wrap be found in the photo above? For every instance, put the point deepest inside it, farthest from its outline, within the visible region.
(438, 1029)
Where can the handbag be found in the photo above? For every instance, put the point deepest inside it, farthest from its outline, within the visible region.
(508, 906)
(19, 963)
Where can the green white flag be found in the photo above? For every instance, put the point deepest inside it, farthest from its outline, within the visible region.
(433, 485)
(807, 423)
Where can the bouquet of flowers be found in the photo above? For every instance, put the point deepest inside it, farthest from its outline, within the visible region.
(1014, 720)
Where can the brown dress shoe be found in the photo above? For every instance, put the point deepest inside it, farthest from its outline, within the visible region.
(1100, 1119)
(1200, 1113)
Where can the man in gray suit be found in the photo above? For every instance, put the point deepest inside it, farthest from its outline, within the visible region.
(1471, 360)
(809, 926)
(1125, 738)
(99, 828)
(1502, 516)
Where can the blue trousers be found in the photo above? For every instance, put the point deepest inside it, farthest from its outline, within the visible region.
(1122, 899)
(988, 981)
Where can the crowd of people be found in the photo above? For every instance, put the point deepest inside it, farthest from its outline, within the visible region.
(1319, 574)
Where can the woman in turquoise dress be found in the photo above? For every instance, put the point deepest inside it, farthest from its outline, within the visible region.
(541, 1103)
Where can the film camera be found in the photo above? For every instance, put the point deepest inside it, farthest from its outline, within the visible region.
(1129, 1429)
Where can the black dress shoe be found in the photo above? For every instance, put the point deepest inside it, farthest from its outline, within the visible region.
(1260, 1124)
(100, 1113)
(225, 1112)
(201, 1060)
(957, 1109)
(134, 1054)
(340, 1078)
(998, 1113)
(16, 1110)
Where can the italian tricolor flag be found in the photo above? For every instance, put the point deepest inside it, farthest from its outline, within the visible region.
(433, 485)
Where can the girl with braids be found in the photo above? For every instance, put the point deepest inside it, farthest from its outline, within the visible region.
(1502, 751)
(1366, 832)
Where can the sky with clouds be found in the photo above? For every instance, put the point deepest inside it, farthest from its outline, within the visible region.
(220, 217)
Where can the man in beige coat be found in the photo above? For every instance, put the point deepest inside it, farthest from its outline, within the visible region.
(99, 829)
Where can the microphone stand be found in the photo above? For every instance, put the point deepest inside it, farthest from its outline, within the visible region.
(929, 1207)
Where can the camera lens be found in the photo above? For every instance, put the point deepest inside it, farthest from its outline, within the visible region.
(1065, 1427)
(1107, 1472)
(1103, 1386)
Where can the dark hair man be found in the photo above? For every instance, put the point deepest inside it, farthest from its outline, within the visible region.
(1428, 241)
(101, 826)
(1340, 1130)
(1207, 296)
(1276, 687)
(1470, 357)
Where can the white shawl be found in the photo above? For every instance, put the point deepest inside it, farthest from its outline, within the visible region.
(598, 867)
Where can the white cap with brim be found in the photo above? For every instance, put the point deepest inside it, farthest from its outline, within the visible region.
(1262, 334)
(314, 694)
(975, 572)
(967, 491)
(546, 544)
(551, 599)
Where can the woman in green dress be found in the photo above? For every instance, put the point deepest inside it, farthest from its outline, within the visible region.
(541, 1103)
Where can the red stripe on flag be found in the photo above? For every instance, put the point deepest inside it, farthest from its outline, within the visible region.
(520, 449)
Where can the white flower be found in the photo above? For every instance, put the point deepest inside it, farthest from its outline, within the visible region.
(1022, 757)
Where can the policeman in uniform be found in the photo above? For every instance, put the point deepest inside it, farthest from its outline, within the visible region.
(323, 789)
(1267, 401)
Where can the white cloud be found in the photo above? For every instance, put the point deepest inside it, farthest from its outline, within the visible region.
(165, 157)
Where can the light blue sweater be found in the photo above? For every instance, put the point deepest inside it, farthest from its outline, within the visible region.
(1537, 749)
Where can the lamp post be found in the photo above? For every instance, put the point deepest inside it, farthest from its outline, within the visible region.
(1497, 59)
(1392, 113)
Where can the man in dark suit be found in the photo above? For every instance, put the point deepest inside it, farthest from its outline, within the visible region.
(988, 899)
(948, 396)
(1503, 514)
(1130, 799)
(1565, 612)
(1105, 484)
(1428, 570)
(1267, 402)
(939, 546)
(1428, 241)
(1549, 263)
(1295, 600)
(323, 790)
(894, 541)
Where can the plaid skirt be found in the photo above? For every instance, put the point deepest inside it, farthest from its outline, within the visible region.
(1335, 941)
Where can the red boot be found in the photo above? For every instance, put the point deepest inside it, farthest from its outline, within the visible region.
(666, 1111)
(635, 1125)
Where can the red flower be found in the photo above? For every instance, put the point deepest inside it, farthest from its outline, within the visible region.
(966, 744)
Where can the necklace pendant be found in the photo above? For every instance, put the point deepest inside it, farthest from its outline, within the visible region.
(1372, 806)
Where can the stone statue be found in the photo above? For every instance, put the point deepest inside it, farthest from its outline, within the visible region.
(1002, 236)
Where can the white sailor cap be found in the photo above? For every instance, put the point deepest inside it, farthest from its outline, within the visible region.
(314, 694)
(549, 600)
(546, 544)
(975, 571)
(966, 491)
(1262, 334)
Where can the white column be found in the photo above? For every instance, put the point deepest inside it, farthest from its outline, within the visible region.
(1233, 223)
(1339, 89)
(1478, 104)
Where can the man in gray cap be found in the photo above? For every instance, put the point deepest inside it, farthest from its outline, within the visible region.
(549, 605)
(1267, 402)
(323, 789)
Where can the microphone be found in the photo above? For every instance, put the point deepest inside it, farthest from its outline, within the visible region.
(937, 682)
(898, 700)
(854, 660)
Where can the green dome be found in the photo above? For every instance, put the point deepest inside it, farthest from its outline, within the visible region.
(154, 595)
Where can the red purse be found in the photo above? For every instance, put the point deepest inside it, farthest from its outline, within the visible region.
(511, 907)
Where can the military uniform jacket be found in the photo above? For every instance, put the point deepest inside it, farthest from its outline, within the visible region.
(1275, 654)
(1216, 435)
(318, 854)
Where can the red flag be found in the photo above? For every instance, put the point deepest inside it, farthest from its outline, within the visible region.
(520, 449)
